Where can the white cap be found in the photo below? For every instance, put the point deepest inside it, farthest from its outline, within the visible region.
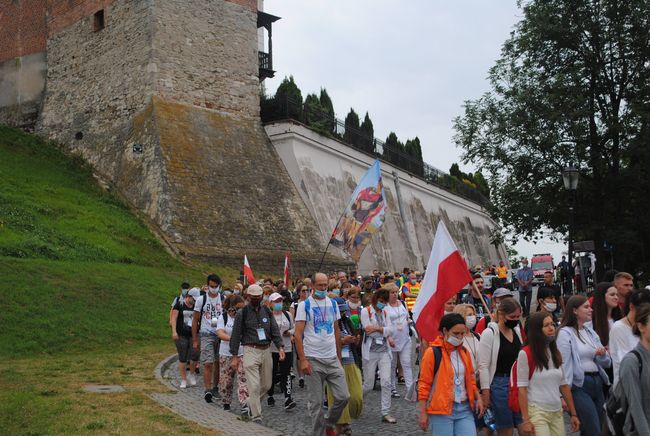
(276, 296)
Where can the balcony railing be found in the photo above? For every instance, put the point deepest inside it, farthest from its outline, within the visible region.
(266, 65)
(284, 108)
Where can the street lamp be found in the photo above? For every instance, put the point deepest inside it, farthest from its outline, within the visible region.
(570, 177)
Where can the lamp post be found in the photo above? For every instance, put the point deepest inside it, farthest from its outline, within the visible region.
(570, 177)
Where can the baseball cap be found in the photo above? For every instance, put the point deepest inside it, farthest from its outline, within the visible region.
(276, 296)
(254, 290)
(194, 292)
(502, 292)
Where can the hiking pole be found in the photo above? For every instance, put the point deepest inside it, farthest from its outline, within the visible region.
(480, 294)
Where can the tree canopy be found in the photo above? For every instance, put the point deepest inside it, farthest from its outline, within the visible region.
(572, 86)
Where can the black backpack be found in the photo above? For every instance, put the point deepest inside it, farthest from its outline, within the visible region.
(616, 406)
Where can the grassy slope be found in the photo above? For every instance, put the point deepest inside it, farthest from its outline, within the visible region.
(81, 280)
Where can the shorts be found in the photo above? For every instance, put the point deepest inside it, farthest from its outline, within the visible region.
(184, 348)
(503, 416)
(209, 348)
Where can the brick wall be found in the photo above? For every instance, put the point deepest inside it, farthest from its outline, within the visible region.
(23, 28)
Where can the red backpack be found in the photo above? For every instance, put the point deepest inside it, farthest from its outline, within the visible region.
(513, 391)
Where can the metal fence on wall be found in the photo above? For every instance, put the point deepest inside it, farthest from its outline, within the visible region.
(284, 108)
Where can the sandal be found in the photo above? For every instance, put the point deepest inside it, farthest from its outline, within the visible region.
(389, 419)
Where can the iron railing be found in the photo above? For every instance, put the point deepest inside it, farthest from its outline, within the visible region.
(264, 60)
(284, 108)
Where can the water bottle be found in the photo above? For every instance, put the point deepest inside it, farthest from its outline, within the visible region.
(488, 419)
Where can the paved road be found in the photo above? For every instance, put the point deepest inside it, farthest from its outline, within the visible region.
(297, 422)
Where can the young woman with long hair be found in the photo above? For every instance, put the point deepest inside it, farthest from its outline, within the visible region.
(498, 349)
(584, 360)
(539, 396)
(606, 310)
(452, 398)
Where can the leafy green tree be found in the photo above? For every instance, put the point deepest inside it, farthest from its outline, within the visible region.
(414, 160)
(392, 148)
(314, 114)
(328, 107)
(367, 135)
(572, 86)
(289, 98)
(351, 135)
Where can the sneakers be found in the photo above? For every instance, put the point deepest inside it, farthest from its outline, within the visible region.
(226, 407)
(270, 401)
(389, 419)
(245, 411)
(183, 384)
(400, 381)
(289, 404)
(394, 394)
(257, 419)
(207, 396)
(301, 382)
(191, 379)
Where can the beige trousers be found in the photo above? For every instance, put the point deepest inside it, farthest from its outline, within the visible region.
(546, 423)
(258, 366)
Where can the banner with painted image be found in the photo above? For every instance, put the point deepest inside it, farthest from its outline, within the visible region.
(363, 216)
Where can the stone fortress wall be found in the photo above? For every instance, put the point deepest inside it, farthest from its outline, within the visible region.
(161, 97)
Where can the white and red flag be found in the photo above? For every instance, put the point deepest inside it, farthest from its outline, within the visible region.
(447, 274)
(286, 270)
(248, 272)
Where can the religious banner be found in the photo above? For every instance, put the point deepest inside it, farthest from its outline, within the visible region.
(363, 216)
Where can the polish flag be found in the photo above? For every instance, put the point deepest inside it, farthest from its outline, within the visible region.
(248, 272)
(447, 274)
(286, 270)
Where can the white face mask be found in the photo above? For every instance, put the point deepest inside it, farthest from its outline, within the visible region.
(470, 321)
(353, 306)
(453, 340)
(550, 307)
(214, 290)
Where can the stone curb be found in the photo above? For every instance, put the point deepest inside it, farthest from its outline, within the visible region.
(200, 412)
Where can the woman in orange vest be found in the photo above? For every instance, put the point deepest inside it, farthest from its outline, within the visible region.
(454, 397)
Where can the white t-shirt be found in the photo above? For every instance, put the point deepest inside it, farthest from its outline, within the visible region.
(621, 342)
(211, 310)
(224, 347)
(318, 337)
(284, 325)
(399, 318)
(544, 386)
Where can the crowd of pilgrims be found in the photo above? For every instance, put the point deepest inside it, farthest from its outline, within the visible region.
(489, 371)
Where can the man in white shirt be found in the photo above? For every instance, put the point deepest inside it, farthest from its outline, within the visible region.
(621, 338)
(207, 311)
(317, 344)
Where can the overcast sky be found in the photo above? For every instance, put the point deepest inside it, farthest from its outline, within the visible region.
(410, 63)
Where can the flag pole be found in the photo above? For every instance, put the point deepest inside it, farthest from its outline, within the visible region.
(480, 294)
(330, 240)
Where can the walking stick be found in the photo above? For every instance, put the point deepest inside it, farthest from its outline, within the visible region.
(480, 294)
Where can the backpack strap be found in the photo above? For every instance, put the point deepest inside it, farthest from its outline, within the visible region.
(437, 359)
(205, 300)
(286, 315)
(531, 361)
(638, 356)
(224, 313)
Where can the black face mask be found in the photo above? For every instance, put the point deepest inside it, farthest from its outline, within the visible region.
(255, 301)
(511, 323)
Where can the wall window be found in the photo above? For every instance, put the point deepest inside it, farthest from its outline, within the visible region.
(99, 21)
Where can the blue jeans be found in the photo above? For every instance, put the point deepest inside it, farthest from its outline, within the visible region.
(459, 423)
(503, 416)
(589, 400)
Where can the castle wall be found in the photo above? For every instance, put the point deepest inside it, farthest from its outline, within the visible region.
(206, 55)
(326, 172)
(22, 83)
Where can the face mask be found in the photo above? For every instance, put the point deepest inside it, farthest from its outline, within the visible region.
(336, 292)
(184, 292)
(470, 321)
(255, 301)
(511, 323)
(265, 298)
(214, 291)
(277, 307)
(237, 292)
(549, 339)
(227, 293)
(380, 305)
(550, 307)
(320, 294)
(453, 340)
(353, 306)
(414, 281)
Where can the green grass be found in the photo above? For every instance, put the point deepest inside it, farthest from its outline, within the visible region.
(86, 289)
